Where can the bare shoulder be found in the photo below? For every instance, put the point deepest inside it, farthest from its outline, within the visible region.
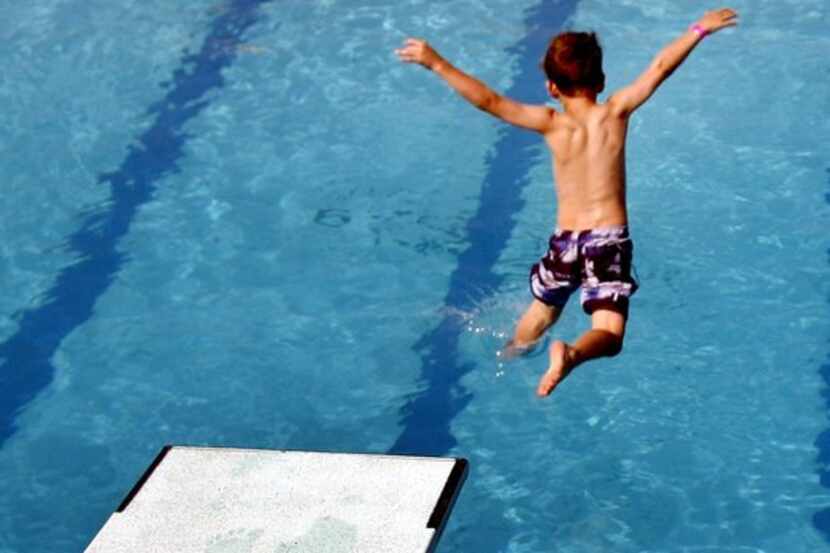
(538, 118)
(616, 106)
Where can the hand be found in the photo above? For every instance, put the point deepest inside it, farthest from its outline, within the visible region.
(418, 51)
(716, 20)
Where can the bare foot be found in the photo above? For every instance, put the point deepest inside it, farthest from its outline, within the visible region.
(561, 363)
(512, 350)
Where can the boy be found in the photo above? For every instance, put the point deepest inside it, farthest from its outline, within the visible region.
(590, 247)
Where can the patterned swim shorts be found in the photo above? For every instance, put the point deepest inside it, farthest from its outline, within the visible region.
(598, 260)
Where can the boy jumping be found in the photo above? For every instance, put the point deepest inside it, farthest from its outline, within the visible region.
(590, 247)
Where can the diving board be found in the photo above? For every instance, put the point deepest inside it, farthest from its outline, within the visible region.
(225, 500)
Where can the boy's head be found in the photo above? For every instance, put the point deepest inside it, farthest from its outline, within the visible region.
(573, 63)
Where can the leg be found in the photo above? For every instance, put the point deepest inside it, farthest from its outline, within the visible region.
(531, 326)
(607, 285)
(605, 339)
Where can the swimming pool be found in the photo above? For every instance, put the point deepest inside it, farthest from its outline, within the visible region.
(244, 223)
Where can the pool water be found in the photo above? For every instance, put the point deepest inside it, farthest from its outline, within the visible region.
(244, 223)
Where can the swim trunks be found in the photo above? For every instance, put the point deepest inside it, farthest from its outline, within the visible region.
(597, 260)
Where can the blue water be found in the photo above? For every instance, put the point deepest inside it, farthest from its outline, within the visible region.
(244, 223)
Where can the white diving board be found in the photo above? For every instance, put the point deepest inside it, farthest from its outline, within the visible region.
(223, 500)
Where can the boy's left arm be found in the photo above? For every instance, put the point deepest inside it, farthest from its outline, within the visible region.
(537, 118)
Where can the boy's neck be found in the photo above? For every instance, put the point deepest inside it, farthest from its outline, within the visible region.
(578, 102)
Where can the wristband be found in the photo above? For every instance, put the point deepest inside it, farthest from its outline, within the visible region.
(701, 32)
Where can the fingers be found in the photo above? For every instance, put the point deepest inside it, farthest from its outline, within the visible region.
(727, 17)
(407, 53)
(406, 56)
(412, 43)
(412, 50)
(719, 19)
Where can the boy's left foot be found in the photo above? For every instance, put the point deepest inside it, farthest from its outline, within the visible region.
(561, 363)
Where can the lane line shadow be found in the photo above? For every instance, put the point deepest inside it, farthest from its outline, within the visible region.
(26, 367)
(821, 518)
(428, 413)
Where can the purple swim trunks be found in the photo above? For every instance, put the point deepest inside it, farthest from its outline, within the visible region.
(597, 260)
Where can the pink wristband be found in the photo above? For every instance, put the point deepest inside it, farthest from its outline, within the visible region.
(701, 32)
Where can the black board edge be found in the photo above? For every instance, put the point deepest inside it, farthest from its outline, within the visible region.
(144, 477)
(452, 487)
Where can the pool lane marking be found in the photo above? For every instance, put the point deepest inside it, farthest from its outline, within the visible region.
(428, 413)
(821, 518)
(26, 367)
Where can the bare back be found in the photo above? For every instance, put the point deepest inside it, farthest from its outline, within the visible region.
(587, 141)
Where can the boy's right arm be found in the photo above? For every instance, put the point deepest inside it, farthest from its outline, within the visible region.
(628, 99)
(537, 118)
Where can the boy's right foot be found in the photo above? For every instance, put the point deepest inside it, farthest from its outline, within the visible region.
(561, 363)
(513, 350)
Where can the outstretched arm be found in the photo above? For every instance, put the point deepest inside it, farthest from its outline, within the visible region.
(536, 118)
(627, 99)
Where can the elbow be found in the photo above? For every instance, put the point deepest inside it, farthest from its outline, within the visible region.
(487, 102)
(660, 67)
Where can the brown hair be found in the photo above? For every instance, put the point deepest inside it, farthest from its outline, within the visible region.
(573, 62)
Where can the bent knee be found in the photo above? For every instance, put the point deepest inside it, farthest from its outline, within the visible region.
(615, 345)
